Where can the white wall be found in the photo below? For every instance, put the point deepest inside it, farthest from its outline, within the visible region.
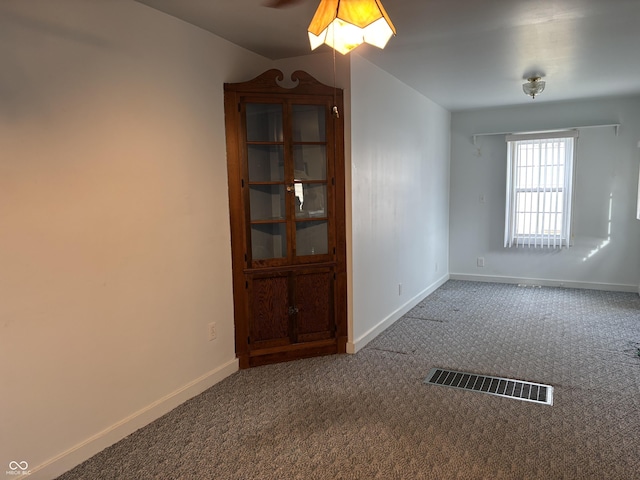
(114, 227)
(606, 174)
(400, 188)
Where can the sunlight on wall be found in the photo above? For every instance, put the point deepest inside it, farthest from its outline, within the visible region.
(638, 210)
(608, 240)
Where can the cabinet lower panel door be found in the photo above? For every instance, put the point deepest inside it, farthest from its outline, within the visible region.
(314, 301)
(269, 324)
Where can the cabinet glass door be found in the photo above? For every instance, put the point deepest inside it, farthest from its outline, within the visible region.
(310, 179)
(287, 166)
(266, 169)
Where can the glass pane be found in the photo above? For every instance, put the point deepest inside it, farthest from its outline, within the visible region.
(267, 202)
(310, 162)
(312, 238)
(266, 163)
(310, 200)
(309, 123)
(264, 122)
(268, 241)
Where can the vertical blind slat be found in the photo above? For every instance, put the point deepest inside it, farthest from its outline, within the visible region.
(515, 180)
(529, 155)
(545, 206)
(554, 191)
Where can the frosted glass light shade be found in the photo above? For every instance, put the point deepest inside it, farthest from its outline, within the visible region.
(345, 24)
(533, 87)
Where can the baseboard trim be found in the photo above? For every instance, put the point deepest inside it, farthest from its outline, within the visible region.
(359, 343)
(77, 454)
(612, 287)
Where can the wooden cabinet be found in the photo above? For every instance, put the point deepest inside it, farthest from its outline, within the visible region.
(285, 154)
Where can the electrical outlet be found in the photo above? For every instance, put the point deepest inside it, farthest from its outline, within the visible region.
(399, 289)
(212, 331)
(480, 261)
(436, 266)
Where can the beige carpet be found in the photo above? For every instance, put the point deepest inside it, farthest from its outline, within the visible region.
(370, 416)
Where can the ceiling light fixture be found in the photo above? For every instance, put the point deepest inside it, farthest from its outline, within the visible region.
(533, 87)
(345, 24)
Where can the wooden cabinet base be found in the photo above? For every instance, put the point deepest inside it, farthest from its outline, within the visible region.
(291, 352)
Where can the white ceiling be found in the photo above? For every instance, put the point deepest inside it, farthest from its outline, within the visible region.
(462, 54)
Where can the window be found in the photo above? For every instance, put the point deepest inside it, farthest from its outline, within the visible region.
(539, 189)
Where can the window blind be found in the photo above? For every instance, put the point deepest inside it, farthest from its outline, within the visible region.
(539, 189)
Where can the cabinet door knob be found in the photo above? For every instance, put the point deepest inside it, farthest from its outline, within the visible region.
(293, 310)
(291, 188)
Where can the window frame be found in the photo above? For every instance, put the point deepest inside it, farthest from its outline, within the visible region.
(540, 239)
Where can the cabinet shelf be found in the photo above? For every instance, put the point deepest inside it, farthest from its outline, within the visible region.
(269, 221)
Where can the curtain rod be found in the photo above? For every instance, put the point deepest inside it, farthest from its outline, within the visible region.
(616, 127)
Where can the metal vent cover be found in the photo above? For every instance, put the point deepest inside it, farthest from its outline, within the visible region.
(502, 387)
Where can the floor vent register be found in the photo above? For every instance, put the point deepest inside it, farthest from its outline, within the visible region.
(502, 387)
